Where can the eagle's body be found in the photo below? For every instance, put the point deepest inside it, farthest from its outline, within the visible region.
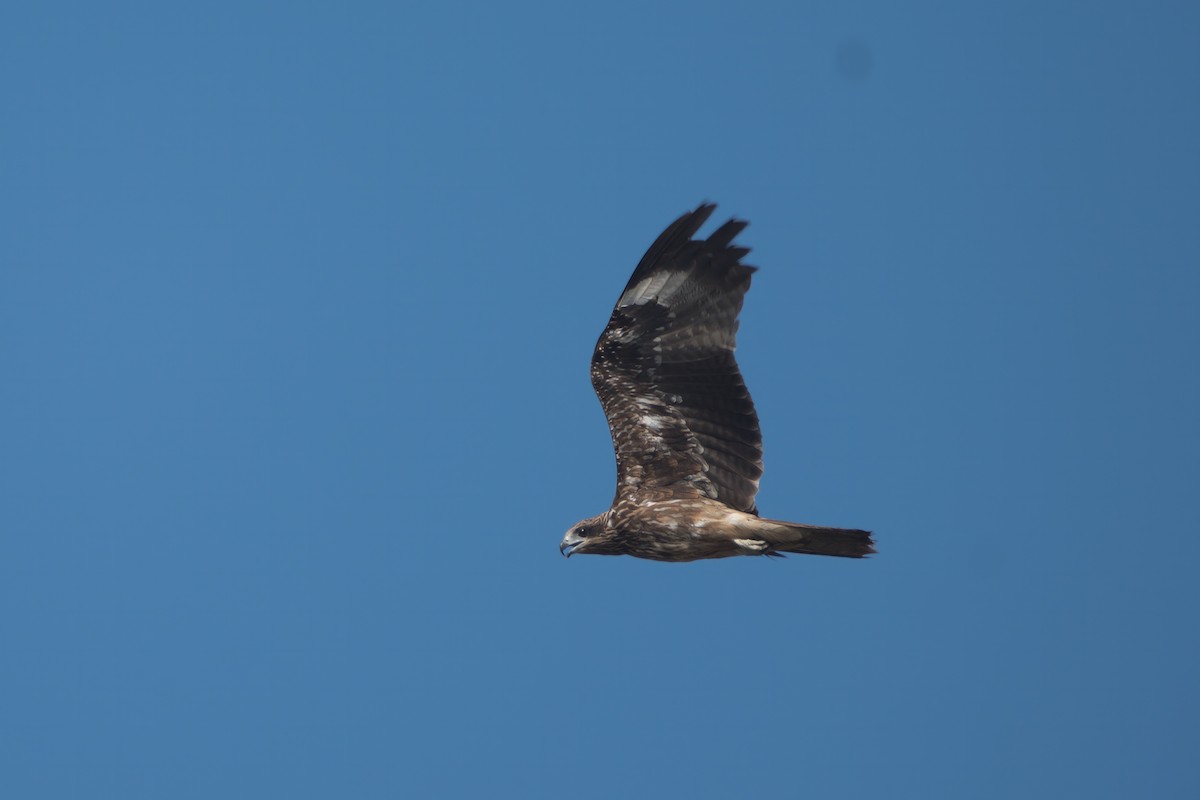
(688, 445)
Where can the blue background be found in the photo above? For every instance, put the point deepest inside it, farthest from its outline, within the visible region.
(296, 306)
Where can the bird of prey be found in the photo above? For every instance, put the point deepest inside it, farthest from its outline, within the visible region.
(689, 450)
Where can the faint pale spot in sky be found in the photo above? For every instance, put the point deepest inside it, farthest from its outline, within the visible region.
(854, 60)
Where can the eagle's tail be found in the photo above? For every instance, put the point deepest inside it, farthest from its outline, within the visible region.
(792, 537)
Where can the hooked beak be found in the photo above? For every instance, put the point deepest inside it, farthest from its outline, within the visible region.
(570, 543)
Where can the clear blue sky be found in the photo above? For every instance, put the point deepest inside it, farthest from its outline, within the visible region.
(296, 305)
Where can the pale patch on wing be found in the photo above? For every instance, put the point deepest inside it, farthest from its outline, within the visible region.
(757, 545)
(649, 288)
(652, 422)
(675, 281)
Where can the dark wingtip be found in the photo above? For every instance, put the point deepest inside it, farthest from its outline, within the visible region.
(675, 237)
(677, 242)
(724, 235)
(693, 221)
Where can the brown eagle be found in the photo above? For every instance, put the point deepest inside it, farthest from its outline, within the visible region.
(689, 449)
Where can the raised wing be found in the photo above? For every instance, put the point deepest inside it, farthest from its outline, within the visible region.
(681, 419)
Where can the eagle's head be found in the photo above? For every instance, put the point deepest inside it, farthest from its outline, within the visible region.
(590, 536)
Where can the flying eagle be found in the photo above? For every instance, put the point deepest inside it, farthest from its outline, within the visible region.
(689, 449)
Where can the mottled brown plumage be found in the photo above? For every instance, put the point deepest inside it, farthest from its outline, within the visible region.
(688, 445)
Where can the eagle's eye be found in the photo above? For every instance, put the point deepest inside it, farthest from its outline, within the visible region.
(584, 530)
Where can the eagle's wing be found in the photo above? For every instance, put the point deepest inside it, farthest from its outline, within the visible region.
(681, 419)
